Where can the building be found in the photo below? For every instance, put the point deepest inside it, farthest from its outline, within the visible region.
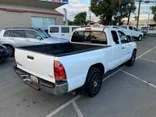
(30, 13)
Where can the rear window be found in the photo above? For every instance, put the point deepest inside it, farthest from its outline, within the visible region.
(96, 37)
(54, 29)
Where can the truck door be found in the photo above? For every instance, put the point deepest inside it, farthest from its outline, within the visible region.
(125, 46)
(117, 49)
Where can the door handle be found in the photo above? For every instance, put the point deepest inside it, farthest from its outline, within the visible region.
(123, 47)
(30, 57)
(63, 34)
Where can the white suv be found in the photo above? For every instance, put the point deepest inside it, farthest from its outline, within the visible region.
(133, 32)
(17, 37)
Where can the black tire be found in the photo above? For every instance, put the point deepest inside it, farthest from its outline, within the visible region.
(132, 60)
(10, 50)
(94, 82)
(140, 38)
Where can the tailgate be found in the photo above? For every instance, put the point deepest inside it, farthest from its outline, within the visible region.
(36, 64)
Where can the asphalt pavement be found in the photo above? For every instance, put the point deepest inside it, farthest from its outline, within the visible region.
(127, 92)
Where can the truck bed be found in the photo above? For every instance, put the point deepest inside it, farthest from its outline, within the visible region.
(62, 49)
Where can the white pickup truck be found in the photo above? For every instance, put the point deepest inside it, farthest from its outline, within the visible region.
(133, 32)
(79, 64)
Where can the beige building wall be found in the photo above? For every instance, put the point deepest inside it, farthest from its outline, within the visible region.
(15, 19)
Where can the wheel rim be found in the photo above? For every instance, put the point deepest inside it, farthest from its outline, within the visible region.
(95, 84)
(140, 38)
(10, 50)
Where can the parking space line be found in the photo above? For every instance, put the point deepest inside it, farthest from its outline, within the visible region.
(62, 107)
(146, 52)
(77, 109)
(148, 60)
(77, 97)
(144, 81)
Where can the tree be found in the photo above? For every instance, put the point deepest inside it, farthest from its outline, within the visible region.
(80, 19)
(153, 8)
(111, 11)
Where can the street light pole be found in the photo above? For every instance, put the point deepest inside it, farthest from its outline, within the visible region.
(138, 13)
(66, 20)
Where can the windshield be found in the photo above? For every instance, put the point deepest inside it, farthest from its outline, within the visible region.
(43, 34)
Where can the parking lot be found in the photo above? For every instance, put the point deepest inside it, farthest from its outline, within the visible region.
(127, 92)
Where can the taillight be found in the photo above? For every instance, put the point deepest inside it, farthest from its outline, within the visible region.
(59, 71)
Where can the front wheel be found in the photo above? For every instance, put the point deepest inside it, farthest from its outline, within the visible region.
(132, 60)
(94, 82)
(140, 38)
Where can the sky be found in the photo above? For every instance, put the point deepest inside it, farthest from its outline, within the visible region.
(76, 6)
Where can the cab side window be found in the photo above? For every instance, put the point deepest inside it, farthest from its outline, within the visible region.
(123, 37)
(115, 37)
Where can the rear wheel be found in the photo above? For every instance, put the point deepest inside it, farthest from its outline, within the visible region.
(132, 60)
(94, 82)
(10, 50)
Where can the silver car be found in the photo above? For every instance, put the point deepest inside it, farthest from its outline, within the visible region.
(17, 37)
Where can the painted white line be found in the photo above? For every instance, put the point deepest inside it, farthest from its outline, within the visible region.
(62, 107)
(146, 52)
(148, 60)
(77, 97)
(77, 109)
(146, 82)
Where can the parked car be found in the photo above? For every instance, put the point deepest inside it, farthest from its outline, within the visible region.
(143, 31)
(17, 37)
(78, 64)
(61, 31)
(3, 53)
(133, 32)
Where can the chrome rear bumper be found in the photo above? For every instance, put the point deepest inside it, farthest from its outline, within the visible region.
(43, 85)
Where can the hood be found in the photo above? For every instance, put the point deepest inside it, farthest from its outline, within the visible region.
(51, 40)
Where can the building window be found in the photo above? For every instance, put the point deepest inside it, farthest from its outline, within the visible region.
(42, 22)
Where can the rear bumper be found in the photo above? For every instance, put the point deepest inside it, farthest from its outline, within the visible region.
(43, 85)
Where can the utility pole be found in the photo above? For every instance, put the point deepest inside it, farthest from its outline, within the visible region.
(138, 13)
